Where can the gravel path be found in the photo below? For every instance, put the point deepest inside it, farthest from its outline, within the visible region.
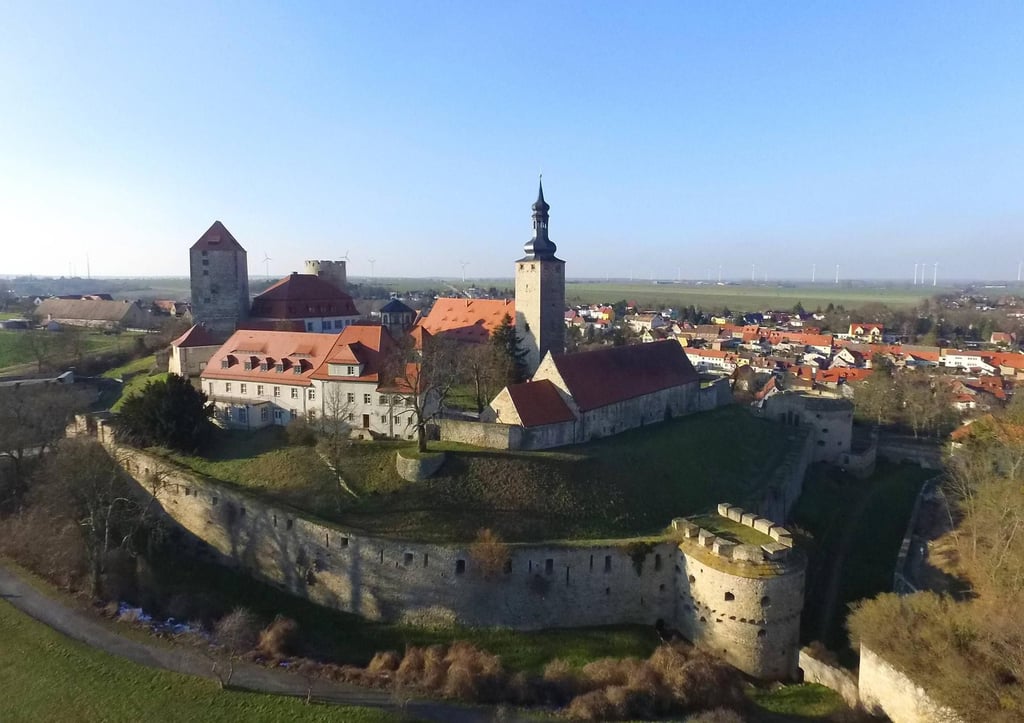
(247, 676)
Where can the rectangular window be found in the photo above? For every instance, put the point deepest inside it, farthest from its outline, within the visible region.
(279, 367)
(264, 413)
(263, 366)
(248, 366)
(607, 563)
(325, 325)
(243, 414)
(309, 326)
(351, 397)
(223, 363)
(351, 416)
(367, 399)
(394, 418)
(383, 419)
(227, 386)
(295, 393)
(297, 369)
(295, 415)
(259, 389)
(277, 391)
(460, 567)
(382, 399)
(350, 371)
(312, 414)
(242, 388)
(311, 394)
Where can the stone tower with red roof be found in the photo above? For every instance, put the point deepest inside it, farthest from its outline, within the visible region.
(219, 270)
(540, 292)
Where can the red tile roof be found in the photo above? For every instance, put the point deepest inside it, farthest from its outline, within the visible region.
(359, 344)
(539, 403)
(302, 295)
(196, 336)
(599, 378)
(307, 351)
(472, 320)
(217, 238)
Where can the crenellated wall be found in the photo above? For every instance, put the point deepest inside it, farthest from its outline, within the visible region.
(682, 579)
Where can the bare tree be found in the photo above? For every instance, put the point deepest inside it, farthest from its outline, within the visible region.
(110, 509)
(425, 377)
(33, 418)
(41, 346)
(235, 635)
(334, 430)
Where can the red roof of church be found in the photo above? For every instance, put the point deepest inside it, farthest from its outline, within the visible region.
(539, 403)
(599, 378)
(197, 335)
(302, 295)
(217, 238)
(472, 320)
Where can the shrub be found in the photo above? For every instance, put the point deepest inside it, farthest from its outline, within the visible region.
(489, 553)
(279, 638)
(237, 632)
(386, 662)
(300, 433)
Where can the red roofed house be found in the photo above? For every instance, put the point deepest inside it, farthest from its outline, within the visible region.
(574, 398)
(468, 320)
(303, 302)
(873, 332)
(258, 378)
(191, 351)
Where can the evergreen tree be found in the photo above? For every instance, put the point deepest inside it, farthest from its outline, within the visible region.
(167, 412)
(509, 355)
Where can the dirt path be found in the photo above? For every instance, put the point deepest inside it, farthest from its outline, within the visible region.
(251, 677)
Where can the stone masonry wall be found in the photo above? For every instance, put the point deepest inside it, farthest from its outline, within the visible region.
(543, 585)
(884, 690)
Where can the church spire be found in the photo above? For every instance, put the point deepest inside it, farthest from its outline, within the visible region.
(540, 246)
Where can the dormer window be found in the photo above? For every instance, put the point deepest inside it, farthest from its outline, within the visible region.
(297, 369)
(279, 367)
(263, 366)
(224, 363)
(248, 366)
(350, 371)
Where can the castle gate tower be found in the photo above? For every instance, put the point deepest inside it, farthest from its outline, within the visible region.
(540, 292)
(219, 271)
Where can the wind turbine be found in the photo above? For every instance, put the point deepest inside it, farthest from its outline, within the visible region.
(267, 260)
(837, 274)
(935, 274)
(814, 271)
(345, 257)
(372, 262)
(915, 274)
(463, 264)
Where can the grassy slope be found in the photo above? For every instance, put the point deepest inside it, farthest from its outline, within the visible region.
(630, 484)
(136, 375)
(49, 677)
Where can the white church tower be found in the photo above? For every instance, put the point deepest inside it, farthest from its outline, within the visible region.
(540, 292)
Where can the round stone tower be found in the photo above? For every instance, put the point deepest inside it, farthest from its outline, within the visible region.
(330, 271)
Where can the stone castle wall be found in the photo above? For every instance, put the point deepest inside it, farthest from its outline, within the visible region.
(680, 582)
(885, 690)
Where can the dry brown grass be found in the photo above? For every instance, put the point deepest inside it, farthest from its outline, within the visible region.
(279, 638)
(489, 553)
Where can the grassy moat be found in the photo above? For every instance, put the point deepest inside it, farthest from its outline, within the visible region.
(630, 484)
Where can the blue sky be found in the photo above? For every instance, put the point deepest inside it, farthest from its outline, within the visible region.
(671, 135)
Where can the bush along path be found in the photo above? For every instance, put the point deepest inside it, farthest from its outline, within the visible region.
(245, 676)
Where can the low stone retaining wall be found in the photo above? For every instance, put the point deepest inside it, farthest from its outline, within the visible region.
(417, 469)
(840, 680)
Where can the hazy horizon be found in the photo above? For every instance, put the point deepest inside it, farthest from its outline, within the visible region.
(674, 138)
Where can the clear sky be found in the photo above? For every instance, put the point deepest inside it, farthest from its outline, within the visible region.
(673, 137)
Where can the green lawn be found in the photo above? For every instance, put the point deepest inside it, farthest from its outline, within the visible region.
(823, 510)
(136, 375)
(799, 701)
(48, 677)
(630, 484)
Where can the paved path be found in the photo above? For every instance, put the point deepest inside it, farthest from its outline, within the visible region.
(246, 676)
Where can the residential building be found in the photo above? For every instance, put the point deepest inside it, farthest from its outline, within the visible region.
(304, 302)
(93, 313)
(191, 352)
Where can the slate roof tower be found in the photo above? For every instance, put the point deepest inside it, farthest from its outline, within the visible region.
(219, 271)
(540, 291)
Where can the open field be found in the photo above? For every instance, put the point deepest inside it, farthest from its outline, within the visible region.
(49, 677)
(136, 375)
(12, 352)
(626, 485)
(752, 297)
